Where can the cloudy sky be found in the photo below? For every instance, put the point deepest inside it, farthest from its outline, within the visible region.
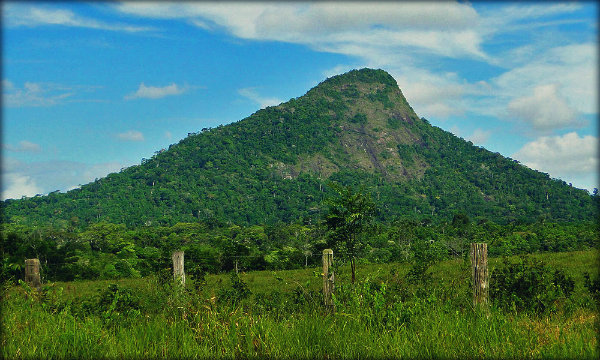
(90, 88)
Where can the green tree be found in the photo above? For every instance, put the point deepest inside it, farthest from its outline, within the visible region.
(349, 215)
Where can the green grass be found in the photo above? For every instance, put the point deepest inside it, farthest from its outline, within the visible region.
(574, 263)
(368, 323)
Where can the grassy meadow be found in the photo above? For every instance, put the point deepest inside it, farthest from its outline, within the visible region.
(280, 314)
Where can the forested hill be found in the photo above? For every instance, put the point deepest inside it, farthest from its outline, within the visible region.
(274, 166)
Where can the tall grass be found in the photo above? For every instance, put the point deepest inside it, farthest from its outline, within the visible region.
(381, 316)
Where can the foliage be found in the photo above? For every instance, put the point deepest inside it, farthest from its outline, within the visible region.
(117, 299)
(283, 317)
(231, 175)
(68, 254)
(237, 292)
(349, 215)
(224, 195)
(426, 253)
(198, 275)
(593, 286)
(374, 305)
(117, 304)
(528, 284)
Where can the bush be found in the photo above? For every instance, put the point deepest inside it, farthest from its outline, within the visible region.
(359, 119)
(426, 253)
(525, 284)
(121, 299)
(198, 276)
(237, 292)
(116, 304)
(593, 286)
(372, 303)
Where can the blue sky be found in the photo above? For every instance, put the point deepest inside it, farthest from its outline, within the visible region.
(90, 88)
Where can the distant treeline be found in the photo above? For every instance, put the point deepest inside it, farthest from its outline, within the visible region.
(105, 250)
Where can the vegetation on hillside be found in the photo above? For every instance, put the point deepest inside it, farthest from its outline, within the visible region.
(347, 166)
(354, 129)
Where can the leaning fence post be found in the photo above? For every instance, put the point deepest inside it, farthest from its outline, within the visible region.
(178, 271)
(32, 273)
(480, 273)
(328, 277)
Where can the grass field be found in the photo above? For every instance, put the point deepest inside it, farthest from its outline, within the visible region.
(381, 316)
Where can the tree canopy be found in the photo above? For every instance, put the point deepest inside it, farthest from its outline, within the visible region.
(350, 214)
(356, 129)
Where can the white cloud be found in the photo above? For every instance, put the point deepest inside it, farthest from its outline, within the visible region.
(438, 109)
(548, 88)
(17, 185)
(573, 68)
(507, 18)
(168, 135)
(152, 92)
(442, 28)
(568, 157)
(433, 95)
(544, 110)
(29, 179)
(33, 94)
(479, 136)
(455, 130)
(16, 15)
(7, 85)
(24, 146)
(251, 94)
(404, 37)
(440, 95)
(131, 135)
(90, 172)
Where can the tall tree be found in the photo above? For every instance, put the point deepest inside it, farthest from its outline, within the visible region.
(349, 215)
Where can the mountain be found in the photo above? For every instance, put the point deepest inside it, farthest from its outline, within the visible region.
(274, 166)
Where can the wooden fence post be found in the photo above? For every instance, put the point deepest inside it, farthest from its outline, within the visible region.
(32, 273)
(178, 271)
(328, 277)
(480, 273)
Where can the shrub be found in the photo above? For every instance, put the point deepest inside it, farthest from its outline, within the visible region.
(426, 253)
(198, 275)
(121, 299)
(372, 303)
(270, 302)
(593, 286)
(164, 277)
(303, 296)
(525, 284)
(237, 292)
(118, 304)
(359, 119)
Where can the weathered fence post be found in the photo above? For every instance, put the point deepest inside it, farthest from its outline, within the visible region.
(480, 273)
(32, 273)
(328, 277)
(178, 271)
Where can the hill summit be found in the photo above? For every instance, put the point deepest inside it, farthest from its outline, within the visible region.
(274, 166)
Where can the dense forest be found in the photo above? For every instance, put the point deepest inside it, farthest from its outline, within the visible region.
(274, 166)
(110, 251)
(256, 191)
